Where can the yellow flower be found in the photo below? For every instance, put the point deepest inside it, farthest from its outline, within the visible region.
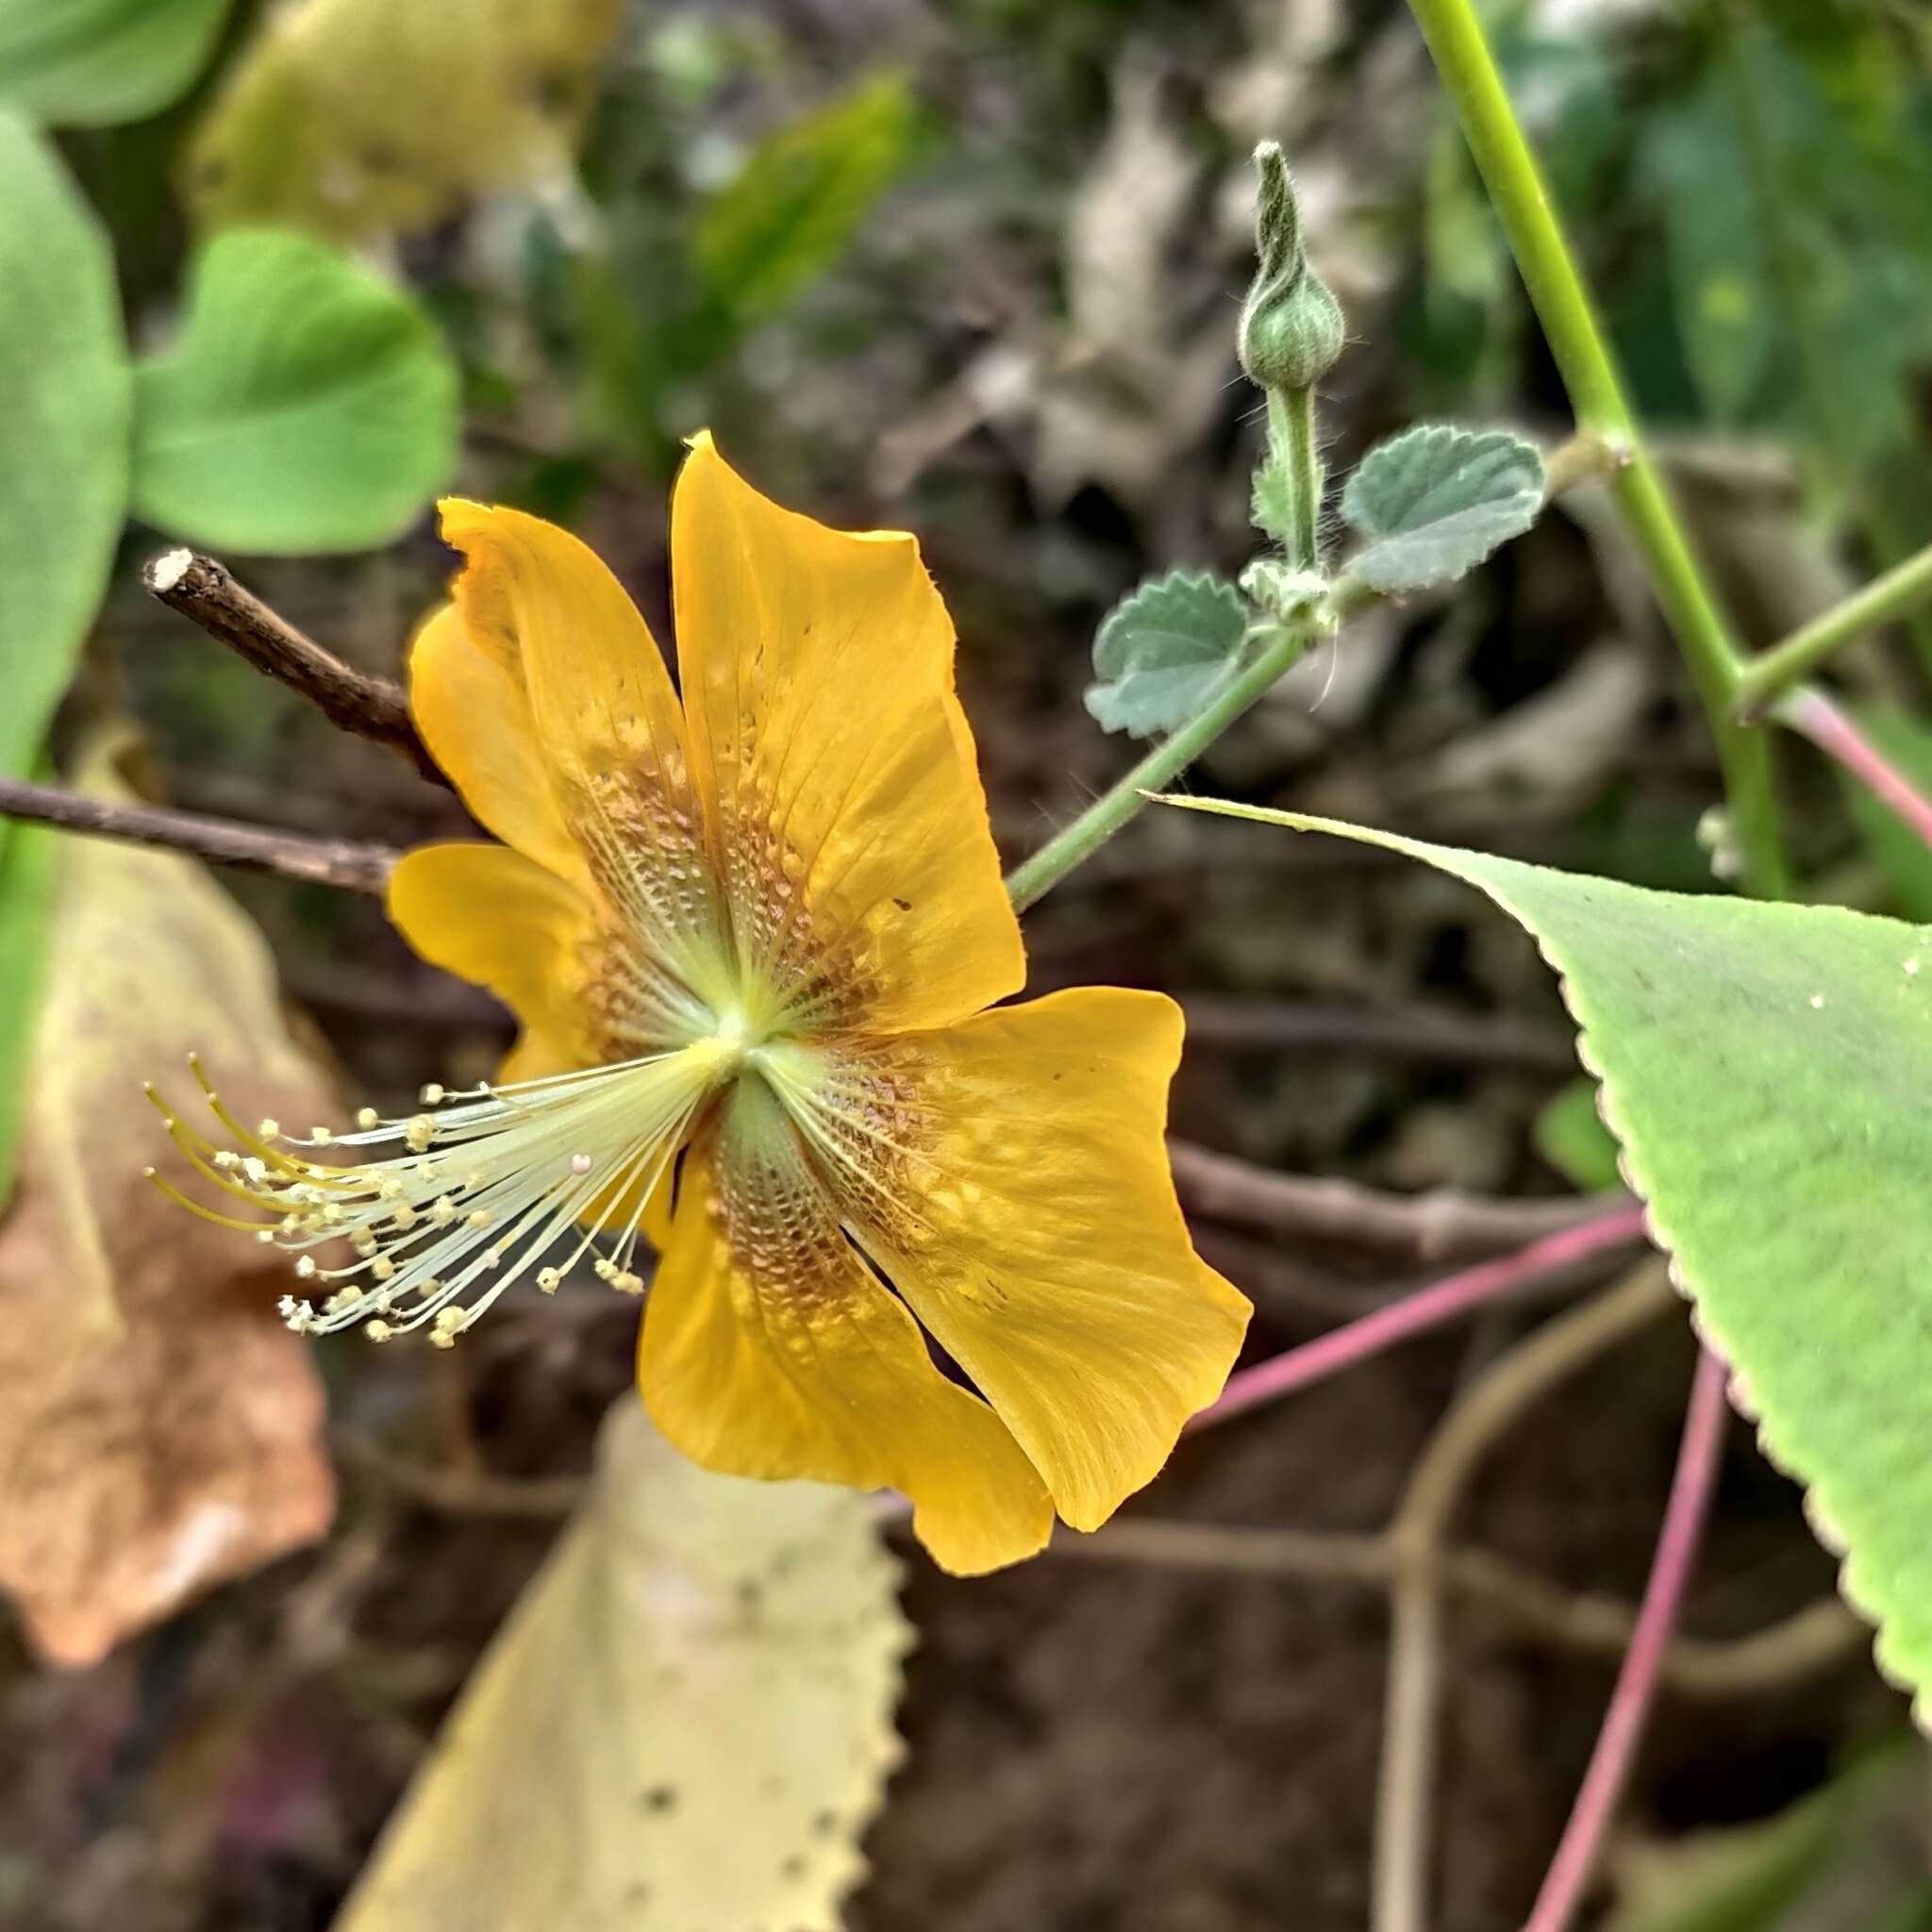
(753, 941)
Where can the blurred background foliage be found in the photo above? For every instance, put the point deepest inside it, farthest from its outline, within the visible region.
(272, 277)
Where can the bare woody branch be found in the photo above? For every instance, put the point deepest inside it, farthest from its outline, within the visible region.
(1432, 1226)
(353, 701)
(342, 862)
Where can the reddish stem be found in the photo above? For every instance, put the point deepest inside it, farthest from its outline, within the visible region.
(1698, 1455)
(1446, 1299)
(1813, 715)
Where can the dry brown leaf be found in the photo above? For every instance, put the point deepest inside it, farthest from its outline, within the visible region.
(684, 1726)
(159, 1430)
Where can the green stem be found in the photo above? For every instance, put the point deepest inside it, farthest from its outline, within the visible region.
(1562, 304)
(1880, 602)
(1291, 438)
(1126, 799)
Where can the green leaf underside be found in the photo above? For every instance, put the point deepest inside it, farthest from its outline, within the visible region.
(1270, 508)
(684, 1725)
(64, 399)
(1432, 503)
(307, 406)
(793, 207)
(90, 63)
(1766, 1069)
(1164, 650)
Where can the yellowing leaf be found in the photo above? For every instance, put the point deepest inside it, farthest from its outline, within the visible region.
(684, 1726)
(160, 1429)
(356, 118)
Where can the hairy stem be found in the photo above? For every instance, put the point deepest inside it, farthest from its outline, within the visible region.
(343, 862)
(1562, 304)
(1123, 801)
(1879, 603)
(1698, 1457)
(1291, 442)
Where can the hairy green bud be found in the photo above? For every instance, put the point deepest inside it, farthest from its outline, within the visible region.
(1291, 328)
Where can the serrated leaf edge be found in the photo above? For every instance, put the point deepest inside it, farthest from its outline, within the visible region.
(1816, 1505)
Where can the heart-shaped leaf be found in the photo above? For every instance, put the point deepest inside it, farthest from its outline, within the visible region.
(1766, 1070)
(1164, 650)
(307, 405)
(1432, 503)
(90, 63)
(685, 1725)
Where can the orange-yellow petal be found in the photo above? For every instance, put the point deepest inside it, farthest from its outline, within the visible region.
(608, 729)
(474, 717)
(770, 1349)
(492, 916)
(1036, 1235)
(816, 671)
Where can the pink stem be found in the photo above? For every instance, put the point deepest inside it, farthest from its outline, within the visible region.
(1813, 715)
(1698, 1455)
(1356, 1341)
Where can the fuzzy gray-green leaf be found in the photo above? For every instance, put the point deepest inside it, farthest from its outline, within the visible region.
(1432, 503)
(1164, 650)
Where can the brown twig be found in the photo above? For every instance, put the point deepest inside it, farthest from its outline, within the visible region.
(1484, 1410)
(455, 1491)
(1432, 1036)
(1809, 1640)
(1432, 1226)
(342, 862)
(353, 701)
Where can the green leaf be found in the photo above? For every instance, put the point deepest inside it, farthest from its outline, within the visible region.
(684, 1726)
(90, 63)
(65, 398)
(1164, 650)
(1765, 1069)
(26, 896)
(1270, 505)
(1433, 502)
(307, 406)
(1722, 285)
(1569, 1134)
(1841, 1859)
(795, 205)
(1893, 845)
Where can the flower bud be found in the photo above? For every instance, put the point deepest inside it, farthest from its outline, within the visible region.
(1291, 328)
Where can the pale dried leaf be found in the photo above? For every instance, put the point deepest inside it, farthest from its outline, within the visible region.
(160, 1429)
(684, 1726)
